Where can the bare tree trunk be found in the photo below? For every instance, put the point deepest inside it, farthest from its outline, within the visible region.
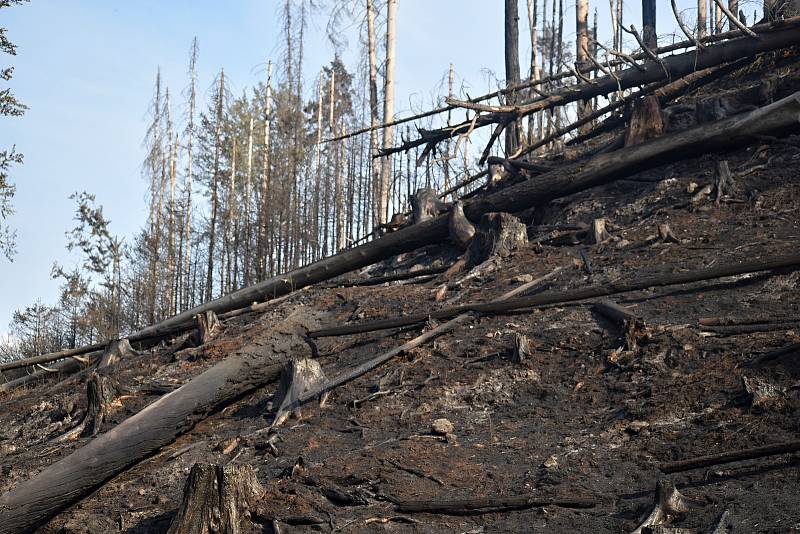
(341, 165)
(582, 56)
(189, 174)
(267, 257)
(533, 16)
(733, 7)
(317, 179)
(702, 12)
(649, 35)
(372, 44)
(512, 67)
(448, 146)
(388, 106)
(247, 205)
(214, 186)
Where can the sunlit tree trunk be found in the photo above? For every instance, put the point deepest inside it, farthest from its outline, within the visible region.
(388, 107)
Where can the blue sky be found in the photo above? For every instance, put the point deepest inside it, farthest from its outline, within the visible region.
(86, 70)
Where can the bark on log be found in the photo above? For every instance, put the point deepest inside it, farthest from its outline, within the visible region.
(621, 286)
(396, 277)
(216, 499)
(787, 447)
(66, 367)
(773, 355)
(783, 34)
(33, 502)
(776, 119)
(490, 504)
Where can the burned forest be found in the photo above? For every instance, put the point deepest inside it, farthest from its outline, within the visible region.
(571, 304)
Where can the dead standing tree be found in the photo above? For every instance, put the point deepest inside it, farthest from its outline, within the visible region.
(774, 37)
(512, 67)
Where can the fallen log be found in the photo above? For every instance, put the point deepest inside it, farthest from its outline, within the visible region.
(783, 34)
(423, 338)
(490, 504)
(728, 134)
(729, 457)
(751, 328)
(66, 367)
(33, 502)
(378, 280)
(750, 319)
(773, 355)
(556, 297)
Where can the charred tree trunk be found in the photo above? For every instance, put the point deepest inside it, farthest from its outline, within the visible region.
(33, 502)
(217, 499)
(582, 62)
(646, 122)
(498, 235)
(512, 66)
(649, 35)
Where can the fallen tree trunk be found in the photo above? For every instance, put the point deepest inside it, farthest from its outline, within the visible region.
(33, 502)
(728, 134)
(729, 457)
(782, 35)
(773, 355)
(69, 366)
(557, 297)
(490, 504)
(377, 361)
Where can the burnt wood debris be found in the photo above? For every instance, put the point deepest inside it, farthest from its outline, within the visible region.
(464, 366)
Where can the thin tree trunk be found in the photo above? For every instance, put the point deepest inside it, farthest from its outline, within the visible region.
(512, 68)
(649, 35)
(214, 186)
(266, 201)
(702, 12)
(388, 106)
(189, 173)
(246, 280)
(582, 62)
(372, 46)
(317, 179)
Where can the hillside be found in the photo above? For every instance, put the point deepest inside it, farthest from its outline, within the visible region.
(586, 419)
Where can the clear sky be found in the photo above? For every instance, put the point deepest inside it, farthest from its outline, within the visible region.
(86, 70)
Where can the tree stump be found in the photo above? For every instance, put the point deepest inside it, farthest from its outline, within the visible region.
(599, 233)
(646, 122)
(498, 234)
(100, 393)
(297, 378)
(723, 180)
(217, 500)
(425, 205)
(522, 348)
(115, 351)
(208, 326)
(461, 230)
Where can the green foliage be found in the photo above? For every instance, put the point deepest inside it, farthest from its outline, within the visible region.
(9, 107)
(91, 235)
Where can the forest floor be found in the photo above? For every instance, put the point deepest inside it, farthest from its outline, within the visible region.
(577, 417)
